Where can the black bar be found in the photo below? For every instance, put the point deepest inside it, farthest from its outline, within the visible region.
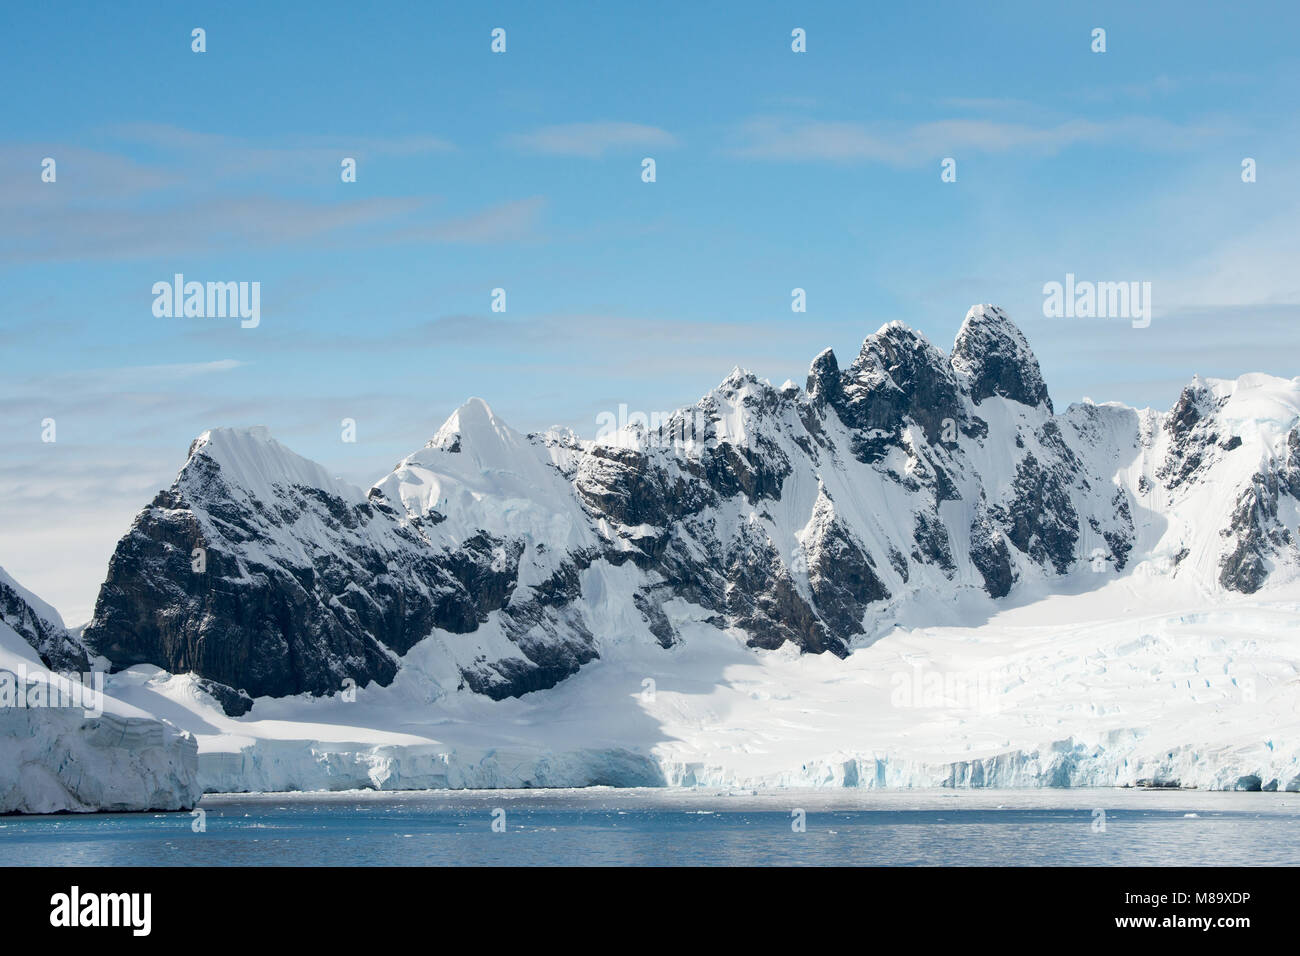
(1025, 906)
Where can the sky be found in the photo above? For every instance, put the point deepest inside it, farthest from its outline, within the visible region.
(522, 170)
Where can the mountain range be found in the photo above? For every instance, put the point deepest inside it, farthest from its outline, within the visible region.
(810, 516)
(912, 510)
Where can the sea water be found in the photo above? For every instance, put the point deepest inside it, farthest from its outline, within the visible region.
(602, 826)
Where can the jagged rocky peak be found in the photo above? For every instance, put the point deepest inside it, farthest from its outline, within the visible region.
(824, 385)
(993, 357)
(741, 406)
(737, 378)
(1196, 401)
(898, 378)
(894, 350)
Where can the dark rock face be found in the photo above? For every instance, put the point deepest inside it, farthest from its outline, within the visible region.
(1040, 520)
(990, 556)
(756, 474)
(625, 484)
(233, 702)
(933, 545)
(57, 650)
(996, 360)
(660, 626)
(1289, 477)
(762, 599)
(1120, 541)
(1258, 535)
(1189, 411)
(1192, 428)
(841, 575)
(756, 466)
(897, 378)
(274, 634)
(824, 384)
(292, 594)
(553, 646)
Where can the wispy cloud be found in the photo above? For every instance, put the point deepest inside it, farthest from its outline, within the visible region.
(229, 156)
(503, 222)
(179, 191)
(76, 231)
(593, 140)
(795, 139)
(153, 157)
(83, 175)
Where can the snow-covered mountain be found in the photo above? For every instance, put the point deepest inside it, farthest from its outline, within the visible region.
(819, 518)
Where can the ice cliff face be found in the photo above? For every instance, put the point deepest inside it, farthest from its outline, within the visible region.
(59, 753)
(814, 517)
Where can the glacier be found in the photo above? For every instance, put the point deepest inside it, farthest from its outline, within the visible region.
(71, 759)
(1091, 689)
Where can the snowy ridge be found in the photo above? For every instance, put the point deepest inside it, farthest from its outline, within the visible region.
(40, 625)
(479, 475)
(37, 608)
(257, 465)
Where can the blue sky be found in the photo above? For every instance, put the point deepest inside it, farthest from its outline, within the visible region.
(521, 170)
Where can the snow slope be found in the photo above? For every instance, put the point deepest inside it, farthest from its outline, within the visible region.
(1112, 687)
(55, 759)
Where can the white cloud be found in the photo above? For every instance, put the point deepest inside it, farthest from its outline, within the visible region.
(503, 222)
(593, 140)
(802, 139)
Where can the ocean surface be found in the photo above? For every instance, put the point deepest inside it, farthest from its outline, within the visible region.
(603, 826)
